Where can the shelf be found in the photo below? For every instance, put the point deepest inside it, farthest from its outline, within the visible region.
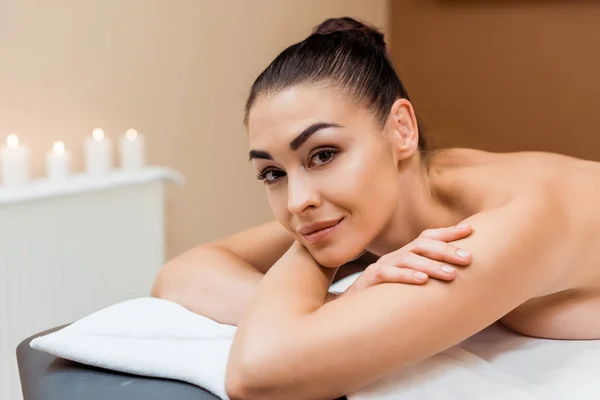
(40, 189)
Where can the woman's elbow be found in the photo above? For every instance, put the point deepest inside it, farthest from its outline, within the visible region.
(170, 284)
(161, 284)
(239, 386)
(236, 387)
(247, 382)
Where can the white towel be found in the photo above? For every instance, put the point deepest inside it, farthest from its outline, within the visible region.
(159, 338)
(150, 337)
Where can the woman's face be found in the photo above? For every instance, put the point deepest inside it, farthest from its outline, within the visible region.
(323, 159)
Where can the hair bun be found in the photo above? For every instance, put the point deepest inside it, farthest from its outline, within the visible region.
(351, 26)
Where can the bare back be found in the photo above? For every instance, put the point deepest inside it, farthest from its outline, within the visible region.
(566, 309)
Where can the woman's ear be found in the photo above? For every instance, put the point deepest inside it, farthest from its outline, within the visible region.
(402, 130)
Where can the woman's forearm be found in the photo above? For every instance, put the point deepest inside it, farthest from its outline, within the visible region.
(210, 281)
(216, 283)
(295, 287)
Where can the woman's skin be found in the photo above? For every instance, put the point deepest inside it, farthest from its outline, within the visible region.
(534, 246)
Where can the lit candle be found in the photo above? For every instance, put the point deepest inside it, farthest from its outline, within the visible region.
(131, 148)
(58, 162)
(98, 155)
(15, 162)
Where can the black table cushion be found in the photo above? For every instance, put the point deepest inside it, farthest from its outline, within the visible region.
(45, 377)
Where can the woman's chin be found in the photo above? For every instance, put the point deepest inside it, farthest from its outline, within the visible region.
(330, 257)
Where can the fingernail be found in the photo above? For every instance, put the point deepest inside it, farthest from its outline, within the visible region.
(447, 268)
(463, 226)
(462, 253)
(420, 275)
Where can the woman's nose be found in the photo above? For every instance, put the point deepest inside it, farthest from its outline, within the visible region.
(301, 195)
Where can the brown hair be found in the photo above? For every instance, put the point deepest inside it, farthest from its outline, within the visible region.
(345, 53)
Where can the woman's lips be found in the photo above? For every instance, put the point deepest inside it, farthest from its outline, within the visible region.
(322, 233)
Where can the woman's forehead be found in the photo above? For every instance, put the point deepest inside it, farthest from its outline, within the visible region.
(292, 110)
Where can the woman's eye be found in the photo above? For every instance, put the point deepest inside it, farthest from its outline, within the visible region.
(271, 176)
(269, 179)
(324, 156)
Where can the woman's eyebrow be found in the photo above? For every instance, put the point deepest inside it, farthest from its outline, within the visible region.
(297, 142)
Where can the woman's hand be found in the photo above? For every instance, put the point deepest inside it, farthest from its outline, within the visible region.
(429, 255)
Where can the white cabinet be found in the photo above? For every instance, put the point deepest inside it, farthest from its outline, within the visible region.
(67, 250)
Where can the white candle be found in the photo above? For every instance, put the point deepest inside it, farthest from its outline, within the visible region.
(58, 162)
(132, 148)
(97, 154)
(15, 162)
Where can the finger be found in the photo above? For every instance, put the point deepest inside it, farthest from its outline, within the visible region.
(434, 269)
(448, 234)
(393, 274)
(440, 251)
(369, 277)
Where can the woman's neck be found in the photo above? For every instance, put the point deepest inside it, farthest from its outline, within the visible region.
(432, 203)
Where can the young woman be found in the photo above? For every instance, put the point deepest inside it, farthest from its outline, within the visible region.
(335, 139)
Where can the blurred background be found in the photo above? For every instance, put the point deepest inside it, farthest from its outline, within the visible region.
(502, 75)
(497, 75)
(178, 71)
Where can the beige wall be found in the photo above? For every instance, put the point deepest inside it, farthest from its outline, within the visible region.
(503, 75)
(177, 70)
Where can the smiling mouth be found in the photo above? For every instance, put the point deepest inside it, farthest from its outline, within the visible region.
(321, 233)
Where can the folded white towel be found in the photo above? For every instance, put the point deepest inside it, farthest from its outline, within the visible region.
(150, 337)
(159, 338)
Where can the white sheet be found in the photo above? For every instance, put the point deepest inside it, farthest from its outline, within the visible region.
(155, 337)
(498, 364)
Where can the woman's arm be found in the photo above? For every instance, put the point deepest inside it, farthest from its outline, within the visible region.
(218, 284)
(218, 279)
(291, 345)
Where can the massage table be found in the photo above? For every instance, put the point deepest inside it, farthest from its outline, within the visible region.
(495, 364)
(45, 377)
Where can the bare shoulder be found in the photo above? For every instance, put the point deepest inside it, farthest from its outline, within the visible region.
(536, 211)
(520, 237)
